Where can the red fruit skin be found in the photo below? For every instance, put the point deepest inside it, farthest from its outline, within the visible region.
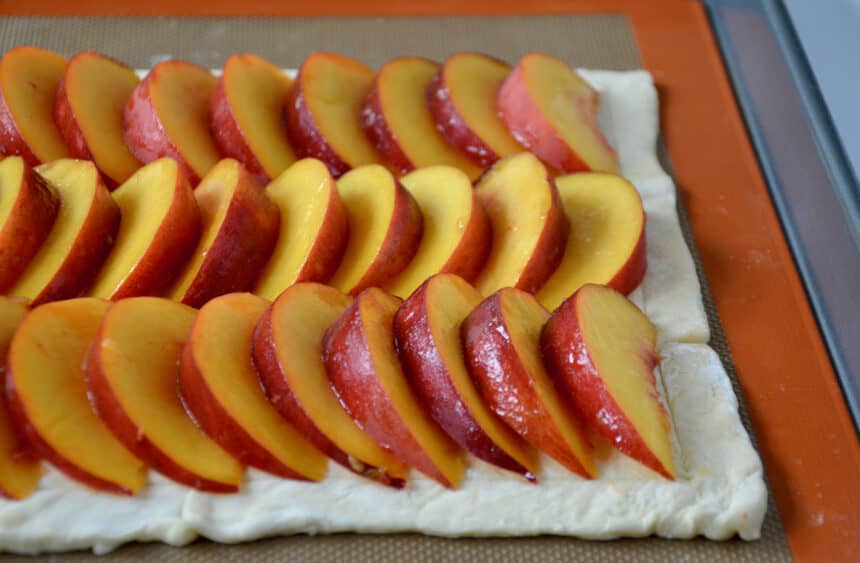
(569, 363)
(244, 242)
(89, 251)
(348, 362)
(429, 376)
(12, 143)
(37, 445)
(67, 123)
(304, 135)
(109, 409)
(550, 247)
(531, 128)
(210, 416)
(228, 135)
(497, 371)
(633, 271)
(471, 254)
(453, 127)
(280, 394)
(376, 128)
(27, 226)
(327, 251)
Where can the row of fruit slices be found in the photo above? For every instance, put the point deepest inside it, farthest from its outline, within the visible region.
(63, 234)
(375, 383)
(467, 113)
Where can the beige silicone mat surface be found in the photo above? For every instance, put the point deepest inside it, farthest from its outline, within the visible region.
(594, 41)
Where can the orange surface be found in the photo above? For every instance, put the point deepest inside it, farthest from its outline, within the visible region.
(805, 434)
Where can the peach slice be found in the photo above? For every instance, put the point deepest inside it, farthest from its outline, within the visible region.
(240, 227)
(550, 109)
(132, 370)
(362, 363)
(602, 350)
(398, 122)
(246, 115)
(456, 236)
(427, 334)
(47, 393)
(19, 471)
(160, 227)
(168, 115)
(385, 229)
(529, 226)
(501, 342)
(322, 112)
(29, 78)
(28, 209)
(606, 244)
(80, 239)
(220, 388)
(462, 100)
(314, 228)
(288, 355)
(88, 112)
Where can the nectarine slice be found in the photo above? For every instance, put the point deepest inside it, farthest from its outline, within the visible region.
(246, 115)
(501, 341)
(88, 112)
(457, 234)
(29, 78)
(314, 228)
(462, 100)
(385, 228)
(322, 112)
(28, 209)
(159, 229)
(167, 115)
(396, 118)
(288, 356)
(133, 369)
(606, 244)
(79, 241)
(19, 471)
(529, 226)
(551, 110)
(427, 333)
(602, 350)
(47, 393)
(240, 227)
(362, 363)
(220, 388)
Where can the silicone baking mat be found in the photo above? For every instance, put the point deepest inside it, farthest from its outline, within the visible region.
(595, 41)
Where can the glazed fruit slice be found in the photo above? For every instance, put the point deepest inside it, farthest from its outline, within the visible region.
(602, 350)
(167, 115)
(47, 393)
(240, 227)
(322, 112)
(80, 239)
(288, 356)
(457, 234)
(19, 469)
(88, 113)
(427, 333)
(28, 209)
(362, 363)
(314, 228)
(132, 370)
(159, 229)
(246, 115)
(462, 100)
(220, 388)
(385, 228)
(396, 118)
(529, 226)
(29, 78)
(501, 341)
(551, 110)
(606, 244)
